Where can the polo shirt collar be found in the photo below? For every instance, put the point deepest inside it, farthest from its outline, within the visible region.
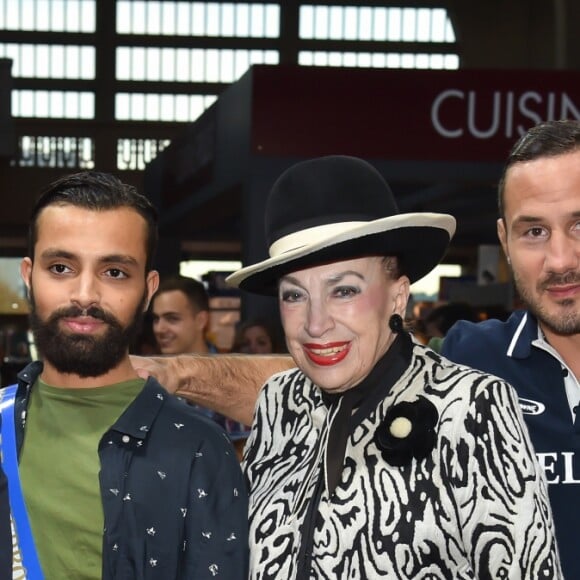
(526, 332)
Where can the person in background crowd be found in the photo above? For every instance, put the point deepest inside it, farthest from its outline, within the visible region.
(181, 312)
(439, 320)
(443, 317)
(181, 316)
(375, 457)
(120, 480)
(537, 349)
(256, 336)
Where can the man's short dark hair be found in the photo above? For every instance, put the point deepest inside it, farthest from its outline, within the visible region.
(194, 291)
(547, 139)
(95, 191)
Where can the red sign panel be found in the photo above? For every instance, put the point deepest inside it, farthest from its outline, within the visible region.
(465, 115)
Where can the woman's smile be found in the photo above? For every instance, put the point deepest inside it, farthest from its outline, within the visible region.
(327, 354)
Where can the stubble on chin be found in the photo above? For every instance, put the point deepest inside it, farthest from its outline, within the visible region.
(560, 317)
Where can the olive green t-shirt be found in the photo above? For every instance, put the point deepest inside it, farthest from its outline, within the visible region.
(59, 470)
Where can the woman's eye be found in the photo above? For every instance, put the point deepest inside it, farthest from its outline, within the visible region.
(346, 291)
(290, 295)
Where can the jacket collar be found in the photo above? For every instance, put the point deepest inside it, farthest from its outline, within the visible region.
(29, 373)
(135, 421)
(138, 418)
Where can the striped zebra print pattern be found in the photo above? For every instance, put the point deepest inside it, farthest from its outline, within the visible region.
(476, 507)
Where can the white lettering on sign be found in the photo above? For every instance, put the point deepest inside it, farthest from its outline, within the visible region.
(502, 117)
(558, 467)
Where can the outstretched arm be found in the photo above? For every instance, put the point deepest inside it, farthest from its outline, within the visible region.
(228, 384)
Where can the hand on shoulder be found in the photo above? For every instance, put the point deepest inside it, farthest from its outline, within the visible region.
(157, 367)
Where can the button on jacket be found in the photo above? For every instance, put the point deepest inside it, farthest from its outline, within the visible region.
(174, 500)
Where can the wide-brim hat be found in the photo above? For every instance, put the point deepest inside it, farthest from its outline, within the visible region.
(339, 208)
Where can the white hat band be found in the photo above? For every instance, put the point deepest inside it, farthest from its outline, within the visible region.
(309, 236)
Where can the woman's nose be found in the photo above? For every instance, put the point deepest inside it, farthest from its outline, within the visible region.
(319, 319)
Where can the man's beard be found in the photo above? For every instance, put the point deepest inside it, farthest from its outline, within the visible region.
(565, 323)
(81, 354)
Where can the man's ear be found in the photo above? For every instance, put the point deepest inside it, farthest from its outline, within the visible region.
(202, 319)
(502, 235)
(152, 285)
(26, 272)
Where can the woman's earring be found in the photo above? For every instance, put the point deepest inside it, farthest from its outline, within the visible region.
(396, 323)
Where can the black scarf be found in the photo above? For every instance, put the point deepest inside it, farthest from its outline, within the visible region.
(362, 399)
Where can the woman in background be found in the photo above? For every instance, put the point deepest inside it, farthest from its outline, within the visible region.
(256, 336)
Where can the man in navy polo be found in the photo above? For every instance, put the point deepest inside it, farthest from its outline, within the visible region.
(537, 350)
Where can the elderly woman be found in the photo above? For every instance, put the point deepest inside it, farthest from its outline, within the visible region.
(377, 458)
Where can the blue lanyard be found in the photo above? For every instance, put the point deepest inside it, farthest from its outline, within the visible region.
(17, 505)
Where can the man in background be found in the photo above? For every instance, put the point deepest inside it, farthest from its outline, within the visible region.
(181, 315)
(120, 479)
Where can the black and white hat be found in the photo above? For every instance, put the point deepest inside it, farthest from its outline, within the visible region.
(339, 208)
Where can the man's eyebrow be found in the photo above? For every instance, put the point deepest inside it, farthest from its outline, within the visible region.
(526, 219)
(52, 253)
(119, 259)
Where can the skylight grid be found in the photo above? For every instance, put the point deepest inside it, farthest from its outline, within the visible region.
(379, 60)
(213, 19)
(50, 61)
(188, 65)
(160, 107)
(53, 104)
(48, 15)
(392, 24)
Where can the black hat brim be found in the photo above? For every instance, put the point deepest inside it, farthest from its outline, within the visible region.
(418, 250)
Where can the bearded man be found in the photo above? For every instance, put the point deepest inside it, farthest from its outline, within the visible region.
(119, 480)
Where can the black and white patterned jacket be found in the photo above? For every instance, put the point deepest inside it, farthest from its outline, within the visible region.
(475, 507)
